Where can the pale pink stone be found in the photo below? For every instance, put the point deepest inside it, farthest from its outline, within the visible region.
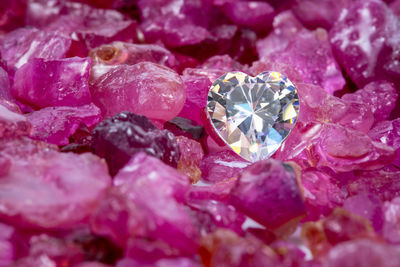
(391, 228)
(7, 245)
(13, 124)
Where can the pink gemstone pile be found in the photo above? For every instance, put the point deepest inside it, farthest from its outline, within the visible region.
(107, 159)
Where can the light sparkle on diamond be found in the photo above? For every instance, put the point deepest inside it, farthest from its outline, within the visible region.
(253, 115)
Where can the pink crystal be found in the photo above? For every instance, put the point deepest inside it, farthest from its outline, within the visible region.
(268, 192)
(4, 85)
(59, 189)
(138, 88)
(8, 249)
(13, 124)
(191, 155)
(392, 220)
(55, 125)
(42, 83)
(23, 44)
(364, 40)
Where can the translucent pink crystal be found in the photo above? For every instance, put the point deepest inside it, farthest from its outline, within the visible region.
(8, 249)
(392, 220)
(42, 83)
(268, 192)
(55, 125)
(13, 124)
(23, 44)
(45, 189)
(4, 85)
(219, 166)
(145, 202)
(191, 155)
(380, 96)
(364, 40)
(144, 88)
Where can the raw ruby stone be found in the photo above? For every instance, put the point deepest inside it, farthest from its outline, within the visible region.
(4, 85)
(19, 46)
(45, 189)
(13, 124)
(365, 42)
(391, 211)
(268, 192)
(189, 160)
(44, 83)
(55, 125)
(145, 88)
(8, 248)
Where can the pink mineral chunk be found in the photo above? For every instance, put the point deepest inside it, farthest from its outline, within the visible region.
(13, 124)
(365, 42)
(268, 192)
(391, 211)
(145, 88)
(46, 189)
(7, 245)
(55, 125)
(44, 83)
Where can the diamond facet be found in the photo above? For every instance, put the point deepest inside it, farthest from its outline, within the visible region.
(253, 115)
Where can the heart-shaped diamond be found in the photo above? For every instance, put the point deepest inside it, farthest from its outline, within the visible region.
(253, 115)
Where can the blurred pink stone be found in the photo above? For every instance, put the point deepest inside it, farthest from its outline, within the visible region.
(145, 203)
(319, 13)
(46, 189)
(7, 246)
(217, 191)
(4, 85)
(365, 42)
(318, 106)
(388, 132)
(173, 262)
(391, 228)
(55, 125)
(368, 206)
(366, 253)
(254, 15)
(395, 6)
(222, 165)
(268, 192)
(336, 147)
(145, 88)
(42, 83)
(13, 124)
(23, 44)
(380, 96)
(322, 194)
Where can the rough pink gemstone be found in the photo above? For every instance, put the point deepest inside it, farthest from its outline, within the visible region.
(217, 191)
(4, 85)
(392, 220)
(382, 183)
(23, 44)
(190, 158)
(268, 192)
(42, 83)
(222, 165)
(55, 125)
(365, 42)
(368, 206)
(145, 88)
(322, 194)
(108, 56)
(8, 249)
(181, 262)
(319, 13)
(254, 15)
(388, 132)
(361, 252)
(318, 106)
(380, 96)
(43, 188)
(13, 124)
(145, 203)
(336, 147)
(310, 54)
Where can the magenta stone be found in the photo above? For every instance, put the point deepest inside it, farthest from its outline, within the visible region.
(144, 88)
(190, 158)
(365, 42)
(55, 125)
(217, 191)
(23, 44)
(13, 124)
(45, 189)
(380, 96)
(366, 253)
(4, 85)
(173, 262)
(42, 83)
(7, 245)
(392, 221)
(268, 192)
(222, 165)
(254, 15)
(321, 192)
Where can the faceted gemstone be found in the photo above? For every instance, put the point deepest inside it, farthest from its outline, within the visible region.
(268, 192)
(43, 83)
(118, 138)
(253, 115)
(56, 124)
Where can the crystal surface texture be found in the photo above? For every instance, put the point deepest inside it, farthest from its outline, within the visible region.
(253, 115)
